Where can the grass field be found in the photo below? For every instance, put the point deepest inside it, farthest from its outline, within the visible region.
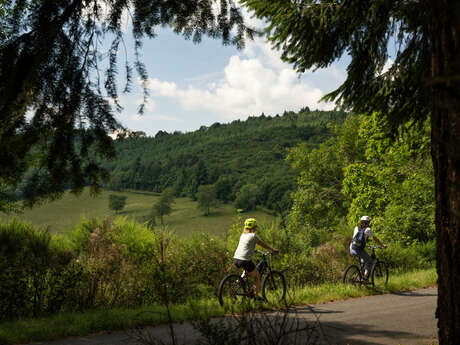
(185, 219)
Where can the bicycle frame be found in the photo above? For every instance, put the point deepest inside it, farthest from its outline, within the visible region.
(273, 283)
(261, 266)
(355, 274)
(373, 257)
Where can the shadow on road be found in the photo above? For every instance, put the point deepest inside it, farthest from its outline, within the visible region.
(319, 311)
(318, 333)
(414, 294)
(338, 333)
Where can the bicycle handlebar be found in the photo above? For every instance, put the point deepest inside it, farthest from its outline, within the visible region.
(264, 253)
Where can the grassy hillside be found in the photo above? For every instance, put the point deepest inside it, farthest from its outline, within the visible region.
(63, 214)
(228, 156)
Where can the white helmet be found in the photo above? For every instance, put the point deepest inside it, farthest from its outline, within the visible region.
(365, 219)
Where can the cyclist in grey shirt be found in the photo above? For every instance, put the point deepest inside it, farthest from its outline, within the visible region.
(245, 250)
(357, 247)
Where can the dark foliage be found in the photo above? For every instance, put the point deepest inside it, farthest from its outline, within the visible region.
(117, 202)
(313, 34)
(55, 113)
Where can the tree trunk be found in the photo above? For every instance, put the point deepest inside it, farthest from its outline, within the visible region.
(444, 89)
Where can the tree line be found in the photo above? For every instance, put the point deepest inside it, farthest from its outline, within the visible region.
(243, 162)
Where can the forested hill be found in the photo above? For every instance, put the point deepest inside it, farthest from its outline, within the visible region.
(241, 159)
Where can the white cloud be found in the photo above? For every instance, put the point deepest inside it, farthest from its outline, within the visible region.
(137, 118)
(248, 88)
(148, 118)
(250, 20)
(163, 88)
(263, 50)
(255, 80)
(150, 105)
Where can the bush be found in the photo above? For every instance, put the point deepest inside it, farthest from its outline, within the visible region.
(30, 267)
(122, 263)
(117, 202)
(405, 258)
(247, 197)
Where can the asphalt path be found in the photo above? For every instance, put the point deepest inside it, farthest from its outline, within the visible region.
(406, 318)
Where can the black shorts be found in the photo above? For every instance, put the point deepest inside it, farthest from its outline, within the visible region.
(248, 265)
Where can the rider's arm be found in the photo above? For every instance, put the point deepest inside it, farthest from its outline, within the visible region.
(378, 242)
(266, 246)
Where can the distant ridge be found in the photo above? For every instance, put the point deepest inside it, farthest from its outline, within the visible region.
(228, 156)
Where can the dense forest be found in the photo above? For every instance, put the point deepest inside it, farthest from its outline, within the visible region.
(366, 167)
(242, 160)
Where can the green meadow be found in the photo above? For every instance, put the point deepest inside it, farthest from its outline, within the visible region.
(63, 214)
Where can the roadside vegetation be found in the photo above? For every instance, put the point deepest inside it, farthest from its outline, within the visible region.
(82, 323)
(128, 262)
(96, 272)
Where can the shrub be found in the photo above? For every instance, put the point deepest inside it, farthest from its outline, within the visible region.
(30, 266)
(117, 202)
(110, 263)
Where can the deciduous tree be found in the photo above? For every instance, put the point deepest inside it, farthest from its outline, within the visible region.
(117, 202)
(246, 198)
(206, 198)
(163, 206)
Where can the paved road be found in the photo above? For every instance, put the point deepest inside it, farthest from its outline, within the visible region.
(405, 318)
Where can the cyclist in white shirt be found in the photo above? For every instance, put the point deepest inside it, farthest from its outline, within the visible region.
(357, 247)
(243, 254)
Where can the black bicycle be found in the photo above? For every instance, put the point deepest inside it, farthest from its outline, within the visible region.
(234, 288)
(354, 274)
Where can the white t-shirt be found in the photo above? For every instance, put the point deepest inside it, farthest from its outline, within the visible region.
(246, 246)
(367, 233)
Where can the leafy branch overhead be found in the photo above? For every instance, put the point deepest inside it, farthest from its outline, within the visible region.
(55, 109)
(314, 34)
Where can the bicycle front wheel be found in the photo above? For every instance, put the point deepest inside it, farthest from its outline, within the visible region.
(352, 275)
(274, 287)
(232, 290)
(380, 274)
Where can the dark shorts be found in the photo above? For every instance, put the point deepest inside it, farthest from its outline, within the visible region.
(247, 265)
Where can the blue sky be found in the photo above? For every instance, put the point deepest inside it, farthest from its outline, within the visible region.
(199, 84)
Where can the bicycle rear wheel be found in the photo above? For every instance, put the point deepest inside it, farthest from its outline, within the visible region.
(274, 287)
(352, 275)
(380, 274)
(232, 290)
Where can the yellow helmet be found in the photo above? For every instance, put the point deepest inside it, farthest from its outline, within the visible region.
(250, 223)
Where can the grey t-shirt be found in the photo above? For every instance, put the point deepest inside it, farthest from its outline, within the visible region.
(367, 232)
(246, 246)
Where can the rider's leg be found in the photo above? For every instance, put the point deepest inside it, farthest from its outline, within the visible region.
(367, 262)
(256, 275)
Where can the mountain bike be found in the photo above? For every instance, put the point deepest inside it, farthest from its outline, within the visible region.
(234, 288)
(354, 274)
